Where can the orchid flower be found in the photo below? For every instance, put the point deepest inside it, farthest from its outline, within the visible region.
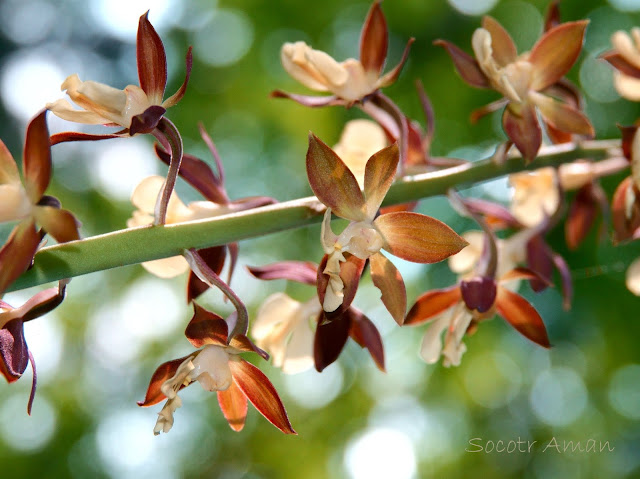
(283, 325)
(136, 109)
(25, 202)
(217, 366)
(410, 236)
(349, 81)
(527, 82)
(14, 352)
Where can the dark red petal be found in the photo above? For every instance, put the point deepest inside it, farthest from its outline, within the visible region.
(304, 272)
(177, 96)
(36, 159)
(432, 303)
(68, 136)
(152, 61)
(581, 216)
(625, 226)
(165, 371)
(379, 174)
(14, 353)
(522, 316)
(17, 253)
(310, 101)
(365, 333)
(466, 66)
(43, 302)
(373, 40)
(206, 327)
(214, 257)
(479, 293)
(552, 15)
(261, 393)
(233, 404)
(621, 64)
(565, 277)
(330, 338)
(540, 260)
(520, 123)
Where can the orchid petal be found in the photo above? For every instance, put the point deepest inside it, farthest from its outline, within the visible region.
(561, 115)
(555, 53)
(165, 371)
(304, 272)
(205, 328)
(60, 224)
(214, 257)
(14, 353)
(332, 181)
(431, 304)
(380, 172)
(632, 277)
(350, 272)
(365, 333)
(504, 50)
(418, 238)
(17, 253)
(36, 159)
(388, 280)
(374, 39)
(581, 217)
(466, 66)
(233, 404)
(177, 96)
(261, 393)
(521, 126)
(329, 341)
(8, 168)
(522, 316)
(152, 60)
(431, 346)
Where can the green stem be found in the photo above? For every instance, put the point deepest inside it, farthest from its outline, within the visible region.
(146, 243)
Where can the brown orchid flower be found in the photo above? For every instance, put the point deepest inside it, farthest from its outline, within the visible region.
(217, 367)
(410, 236)
(349, 81)
(529, 82)
(25, 202)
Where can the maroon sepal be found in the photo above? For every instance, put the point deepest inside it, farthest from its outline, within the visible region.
(621, 64)
(68, 136)
(330, 338)
(310, 101)
(565, 278)
(479, 293)
(466, 66)
(304, 272)
(146, 121)
(552, 15)
(151, 59)
(581, 217)
(625, 227)
(15, 355)
(627, 133)
(214, 257)
(540, 260)
(365, 333)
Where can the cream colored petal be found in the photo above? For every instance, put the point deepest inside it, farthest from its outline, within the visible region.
(359, 83)
(359, 140)
(633, 277)
(333, 73)
(106, 101)
(276, 309)
(299, 352)
(295, 62)
(327, 236)
(535, 195)
(211, 368)
(14, 203)
(432, 342)
(146, 193)
(136, 103)
(454, 348)
(334, 294)
(622, 42)
(167, 267)
(199, 210)
(466, 260)
(139, 218)
(628, 87)
(64, 110)
(575, 175)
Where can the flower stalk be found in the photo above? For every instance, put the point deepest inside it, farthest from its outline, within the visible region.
(147, 243)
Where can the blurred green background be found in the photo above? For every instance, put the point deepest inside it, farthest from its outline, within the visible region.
(96, 353)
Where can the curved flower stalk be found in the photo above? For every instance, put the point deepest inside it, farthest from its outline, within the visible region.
(528, 82)
(136, 109)
(217, 366)
(14, 352)
(283, 326)
(625, 58)
(24, 201)
(211, 185)
(410, 236)
(349, 81)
